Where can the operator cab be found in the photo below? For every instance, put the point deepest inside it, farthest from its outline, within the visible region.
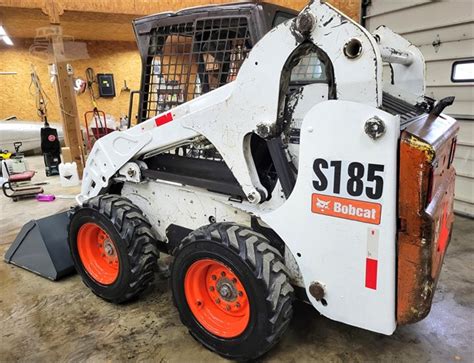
(197, 50)
(194, 51)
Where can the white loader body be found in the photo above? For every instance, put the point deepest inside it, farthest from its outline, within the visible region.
(339, 223)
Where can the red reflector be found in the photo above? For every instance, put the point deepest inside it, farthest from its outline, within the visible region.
(444, 230)
(161, 120)
(371, 273)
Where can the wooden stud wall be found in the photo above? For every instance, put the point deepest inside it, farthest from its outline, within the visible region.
(139, 7)
(145, 7)
(120, 58)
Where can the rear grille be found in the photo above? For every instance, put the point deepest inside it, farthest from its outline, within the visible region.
(396, 106)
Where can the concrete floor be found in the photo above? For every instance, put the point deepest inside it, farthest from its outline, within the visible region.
(42, 321)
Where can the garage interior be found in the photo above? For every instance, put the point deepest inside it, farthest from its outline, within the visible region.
(67, 45)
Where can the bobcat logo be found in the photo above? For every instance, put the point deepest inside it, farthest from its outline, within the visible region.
(322, 204)
(352, 209)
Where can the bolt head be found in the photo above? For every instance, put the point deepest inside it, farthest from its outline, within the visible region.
(305, 22)
(224, 291)
(316, 289)
(109, 250)
(374, 127)
(263, 130)
(254, 197)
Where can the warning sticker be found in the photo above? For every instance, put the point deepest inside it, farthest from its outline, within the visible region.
(356, 210)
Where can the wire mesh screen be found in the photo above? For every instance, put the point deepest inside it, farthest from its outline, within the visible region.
(189, 59)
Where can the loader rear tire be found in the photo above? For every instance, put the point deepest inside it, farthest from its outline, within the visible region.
(250, 315)
(112, 247)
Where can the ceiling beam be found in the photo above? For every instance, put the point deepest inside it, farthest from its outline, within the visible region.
(135, 7)
(85, 20)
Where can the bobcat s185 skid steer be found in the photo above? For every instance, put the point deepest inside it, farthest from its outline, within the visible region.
(272, 161)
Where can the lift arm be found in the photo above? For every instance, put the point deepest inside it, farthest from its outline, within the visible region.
(228, 116)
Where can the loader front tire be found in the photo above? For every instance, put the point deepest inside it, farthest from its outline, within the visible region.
(112, 247)
(232, 290)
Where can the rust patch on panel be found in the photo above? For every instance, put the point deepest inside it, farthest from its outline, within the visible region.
(426, 194)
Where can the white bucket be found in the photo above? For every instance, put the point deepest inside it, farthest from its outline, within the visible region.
(68, 174)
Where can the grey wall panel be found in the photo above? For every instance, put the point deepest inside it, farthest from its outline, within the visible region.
(439, 73)
(466, 134)
(461, 93)
(429, 16)
(463, 208)
(464, 189)
(384, 7)
(464, 161)
(445, 34)
(448, 50)
(460, 109)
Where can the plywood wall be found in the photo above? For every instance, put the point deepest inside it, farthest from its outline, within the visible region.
(120, 58)
(98, 21)
(349, 7)
(144, 7)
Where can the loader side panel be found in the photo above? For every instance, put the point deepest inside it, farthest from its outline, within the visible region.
(426, 194)
(340, 220)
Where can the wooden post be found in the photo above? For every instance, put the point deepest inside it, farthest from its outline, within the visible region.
(65, 89)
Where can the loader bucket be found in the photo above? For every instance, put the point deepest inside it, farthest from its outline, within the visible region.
(41, 247)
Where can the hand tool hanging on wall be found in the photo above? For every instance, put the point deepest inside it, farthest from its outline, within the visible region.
(96, 118)
(50, 146)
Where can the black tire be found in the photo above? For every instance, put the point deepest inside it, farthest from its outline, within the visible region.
(131, 234)
(260, 269)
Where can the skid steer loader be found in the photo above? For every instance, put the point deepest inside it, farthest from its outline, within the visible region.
(277, 155)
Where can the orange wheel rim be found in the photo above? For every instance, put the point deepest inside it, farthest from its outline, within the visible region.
(98, 254)
(217, 298)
